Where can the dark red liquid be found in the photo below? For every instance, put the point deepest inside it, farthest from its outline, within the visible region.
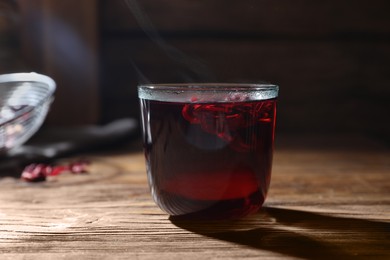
(209, 160)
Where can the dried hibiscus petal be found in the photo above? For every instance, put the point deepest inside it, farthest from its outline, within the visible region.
(36, 172)
(39, 172)
(79, 167)
(229, 120)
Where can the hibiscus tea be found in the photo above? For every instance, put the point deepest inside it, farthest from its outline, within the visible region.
(208, 152)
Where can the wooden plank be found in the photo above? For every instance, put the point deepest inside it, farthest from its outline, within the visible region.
(283, 17)
(328, 199)
(31, 33)
(60, 40)
(10, 59)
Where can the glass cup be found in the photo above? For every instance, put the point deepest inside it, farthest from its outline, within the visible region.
(208, 147)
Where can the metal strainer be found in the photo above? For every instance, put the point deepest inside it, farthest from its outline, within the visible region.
(25, 99)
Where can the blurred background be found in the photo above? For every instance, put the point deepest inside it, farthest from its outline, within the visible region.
(331, 59)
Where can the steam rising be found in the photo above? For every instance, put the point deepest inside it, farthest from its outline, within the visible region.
(193, 70)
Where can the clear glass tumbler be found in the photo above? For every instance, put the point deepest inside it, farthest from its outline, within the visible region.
(208, 147)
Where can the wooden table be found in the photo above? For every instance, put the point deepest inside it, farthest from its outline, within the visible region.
(329, 199)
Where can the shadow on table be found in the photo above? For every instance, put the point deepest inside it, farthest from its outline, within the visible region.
(300, 234)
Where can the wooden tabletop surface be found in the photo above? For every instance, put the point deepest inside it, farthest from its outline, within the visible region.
(329, 199)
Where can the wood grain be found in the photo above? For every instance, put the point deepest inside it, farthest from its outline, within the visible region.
(329, 198)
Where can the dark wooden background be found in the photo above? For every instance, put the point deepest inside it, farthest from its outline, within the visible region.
(330, 58)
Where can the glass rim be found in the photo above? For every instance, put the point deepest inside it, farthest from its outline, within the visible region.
(208, 92)
(28, 77)
(212, 87)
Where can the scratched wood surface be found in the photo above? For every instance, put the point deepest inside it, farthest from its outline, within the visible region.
(329, 198)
